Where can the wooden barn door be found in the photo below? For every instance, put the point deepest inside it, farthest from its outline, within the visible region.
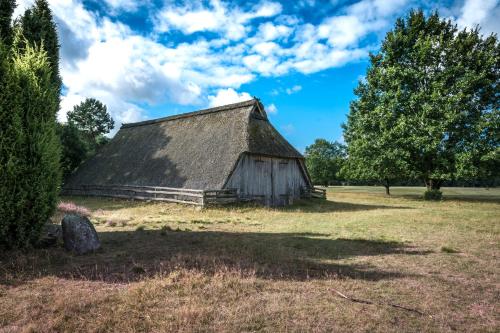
(280, 181)
(269, 180)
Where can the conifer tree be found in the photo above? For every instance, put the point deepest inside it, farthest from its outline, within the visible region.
(12, 186)
(38, 103)
(6, 10)
(39, 28)
(29, 146)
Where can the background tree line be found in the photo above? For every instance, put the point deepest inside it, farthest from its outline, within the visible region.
(35, 150)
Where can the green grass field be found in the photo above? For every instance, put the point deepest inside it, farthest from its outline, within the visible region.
(167, 267)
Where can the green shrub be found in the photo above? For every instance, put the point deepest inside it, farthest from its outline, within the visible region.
(433, 195)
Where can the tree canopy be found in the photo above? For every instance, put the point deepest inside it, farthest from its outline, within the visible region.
(75, 148)
(429, 107)
(92, 118)
(324, 160)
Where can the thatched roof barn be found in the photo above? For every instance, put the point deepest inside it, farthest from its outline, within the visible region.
(232, 146)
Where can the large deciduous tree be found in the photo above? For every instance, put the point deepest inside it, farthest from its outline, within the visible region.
(92, 118)
(324, 160)
(429, 107)
(75, 148)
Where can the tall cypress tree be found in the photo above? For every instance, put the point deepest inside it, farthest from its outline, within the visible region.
(29, 146)
(38, 102)
(6, 10)
(39, 28)
(12, 156)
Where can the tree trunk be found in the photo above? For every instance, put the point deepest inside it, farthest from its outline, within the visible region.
(433, 184)
(386, 185)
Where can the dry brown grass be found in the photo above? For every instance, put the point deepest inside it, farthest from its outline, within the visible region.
(167, 267)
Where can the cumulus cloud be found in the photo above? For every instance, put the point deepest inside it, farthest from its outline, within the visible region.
(216, 17)
(125, 5)
(269, 31)
(483, 12)
(227, 96)
(271, 108)
(234, 44)
(293, 89)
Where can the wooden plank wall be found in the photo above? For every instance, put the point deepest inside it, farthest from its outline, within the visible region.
(270, 180)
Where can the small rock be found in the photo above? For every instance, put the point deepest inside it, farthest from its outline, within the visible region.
(79, 234)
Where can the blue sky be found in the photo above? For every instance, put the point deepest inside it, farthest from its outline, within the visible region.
(153, 58)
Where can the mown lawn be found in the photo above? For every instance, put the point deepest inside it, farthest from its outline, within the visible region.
(167, 267)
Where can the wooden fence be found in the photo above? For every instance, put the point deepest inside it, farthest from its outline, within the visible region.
(172, 194)
(315, 192)
(156, 193)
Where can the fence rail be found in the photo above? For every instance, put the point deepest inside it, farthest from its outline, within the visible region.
(314, 192)
(156, 193)
(172, 194)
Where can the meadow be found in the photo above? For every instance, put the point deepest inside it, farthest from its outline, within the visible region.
(403, 264)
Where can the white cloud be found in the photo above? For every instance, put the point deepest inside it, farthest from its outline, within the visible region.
(293, 89)
(265, 48)
(342, 31)
(228, 96)
(271, 108)
(268, 31)
(126, 5)
(474, 12)
(217, 17)
(106, 59)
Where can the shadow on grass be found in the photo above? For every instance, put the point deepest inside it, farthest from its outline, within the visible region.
(129, 256)
(454, 197)
(304, 206)
(313, 206)
(319, 205)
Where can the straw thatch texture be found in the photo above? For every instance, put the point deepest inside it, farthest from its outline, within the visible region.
(196, 150)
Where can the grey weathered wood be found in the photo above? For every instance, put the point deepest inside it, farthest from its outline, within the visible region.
(177, 195)
(272, 181)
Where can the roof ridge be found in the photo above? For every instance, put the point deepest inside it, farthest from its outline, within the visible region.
(192, 114)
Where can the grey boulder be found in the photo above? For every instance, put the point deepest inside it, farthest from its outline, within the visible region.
(79, 234)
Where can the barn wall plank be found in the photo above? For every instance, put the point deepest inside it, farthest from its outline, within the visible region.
(273, 181)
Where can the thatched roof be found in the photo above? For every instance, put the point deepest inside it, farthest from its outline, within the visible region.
(196, 150)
